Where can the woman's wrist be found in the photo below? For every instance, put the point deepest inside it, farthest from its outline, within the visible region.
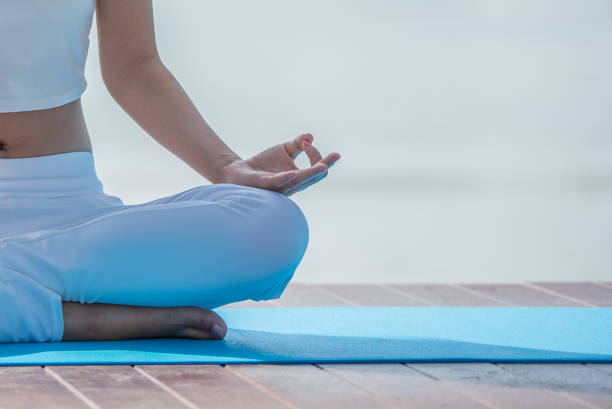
(219, 175)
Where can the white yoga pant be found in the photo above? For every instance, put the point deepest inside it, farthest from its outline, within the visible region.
(63, 239)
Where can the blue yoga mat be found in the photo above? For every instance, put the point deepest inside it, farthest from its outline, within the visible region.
(357, 334)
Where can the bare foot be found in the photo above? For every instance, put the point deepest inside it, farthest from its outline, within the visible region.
(198, 323)
(98, 321)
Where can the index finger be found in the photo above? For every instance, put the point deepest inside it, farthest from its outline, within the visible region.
(313, 153)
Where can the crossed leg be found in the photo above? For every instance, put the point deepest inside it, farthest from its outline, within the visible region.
(205, 247)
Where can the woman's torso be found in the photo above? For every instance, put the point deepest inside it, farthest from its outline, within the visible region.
(44, 132)
(43, 51)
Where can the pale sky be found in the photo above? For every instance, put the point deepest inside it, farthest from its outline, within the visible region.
(399, 84)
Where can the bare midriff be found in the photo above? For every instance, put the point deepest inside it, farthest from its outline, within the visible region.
(44, 132)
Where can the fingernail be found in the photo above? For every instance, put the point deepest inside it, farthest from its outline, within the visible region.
(217, 330)
(307, 142)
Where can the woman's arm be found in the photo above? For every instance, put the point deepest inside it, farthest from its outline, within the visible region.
(137, 79)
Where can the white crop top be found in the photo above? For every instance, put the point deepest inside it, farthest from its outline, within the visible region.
(43, 48)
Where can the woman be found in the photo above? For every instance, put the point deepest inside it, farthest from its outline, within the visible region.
(78, 264)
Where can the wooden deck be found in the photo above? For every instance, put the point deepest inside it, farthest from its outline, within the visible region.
(353, 386)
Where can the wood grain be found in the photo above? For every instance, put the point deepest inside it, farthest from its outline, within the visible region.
(578, 381)
(306, 386)
(442, 294)
(520, 295)
(486, 382)
(212, 386)
(497, 387)
(596, 295)
(370, 295)
(27, 387)
(401, 387)
(383, 380)
(300, 295)
(114, 386)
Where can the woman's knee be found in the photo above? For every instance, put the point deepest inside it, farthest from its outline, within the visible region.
(280, 235)
(259, 235)
(288, 228)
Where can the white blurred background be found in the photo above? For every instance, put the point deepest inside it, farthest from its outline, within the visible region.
(476, 136)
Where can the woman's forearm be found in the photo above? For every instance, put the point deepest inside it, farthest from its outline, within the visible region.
(151, 95)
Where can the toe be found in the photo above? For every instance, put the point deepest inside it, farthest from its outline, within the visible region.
(204, 324)
(218, 330)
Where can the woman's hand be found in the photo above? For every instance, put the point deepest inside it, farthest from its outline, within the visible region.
(274, 168)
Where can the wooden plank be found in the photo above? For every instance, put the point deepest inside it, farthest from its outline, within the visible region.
(273, 378)
(579, 381)
(515, 388)
(605, 368)
(296, 294)
(594, 294)
(111, 386)
(384, 380)
(402, 387)
(306, 386)
(300, 295)
(212, 386)
(442, 294)
(475, 380)
(550, 375)
(497, 387)
(26, 387)
(370, 295)
(520, 295)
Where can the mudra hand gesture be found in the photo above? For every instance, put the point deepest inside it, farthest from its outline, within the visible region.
(275, 169)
